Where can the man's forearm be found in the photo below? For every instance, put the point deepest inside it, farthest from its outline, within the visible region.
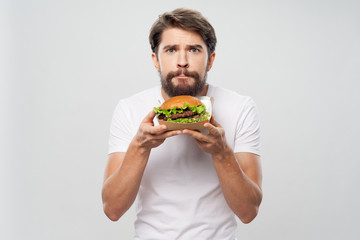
(121, 188)
(241, 193)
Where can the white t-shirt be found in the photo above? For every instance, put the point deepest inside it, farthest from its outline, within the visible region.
(180, 195)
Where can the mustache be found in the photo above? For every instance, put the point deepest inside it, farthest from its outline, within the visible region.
(187, 73)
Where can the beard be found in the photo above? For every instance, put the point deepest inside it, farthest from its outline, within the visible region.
(193, 90)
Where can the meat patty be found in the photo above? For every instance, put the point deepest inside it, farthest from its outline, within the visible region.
(184, 114)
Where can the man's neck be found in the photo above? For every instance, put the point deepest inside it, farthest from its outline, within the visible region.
(203, 93)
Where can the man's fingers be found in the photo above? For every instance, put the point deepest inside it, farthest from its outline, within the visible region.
(212, 129)
(150, 128)
(196, 134)
(213, 126)
(214, 122)
(171, 133)
(149, 117)
(155, 130)
(165, 135)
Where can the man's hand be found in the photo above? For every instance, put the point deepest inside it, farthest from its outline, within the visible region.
(214, 142)
(150, 136)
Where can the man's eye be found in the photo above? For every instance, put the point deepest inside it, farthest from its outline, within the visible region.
(171, 50)
(194, 50)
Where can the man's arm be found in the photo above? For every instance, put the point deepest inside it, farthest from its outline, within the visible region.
(239, 173)
(240, 179)
(124, 171)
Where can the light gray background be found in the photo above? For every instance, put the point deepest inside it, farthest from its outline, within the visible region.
(65, 64)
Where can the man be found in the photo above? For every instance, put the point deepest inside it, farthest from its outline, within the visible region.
(189, 183)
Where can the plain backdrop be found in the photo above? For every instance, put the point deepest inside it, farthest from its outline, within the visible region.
(65, 65)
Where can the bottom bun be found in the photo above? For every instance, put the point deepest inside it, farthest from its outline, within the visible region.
(179, 126)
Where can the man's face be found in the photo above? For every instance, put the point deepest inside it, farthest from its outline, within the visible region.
(183, 62)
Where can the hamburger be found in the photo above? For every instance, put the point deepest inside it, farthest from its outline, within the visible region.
(183, 109)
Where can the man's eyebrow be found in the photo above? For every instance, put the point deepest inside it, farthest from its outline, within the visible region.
(172, 46)
(196, 46)
(169, 46)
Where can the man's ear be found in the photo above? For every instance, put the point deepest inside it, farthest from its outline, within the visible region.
(155, 61)
(211, 61)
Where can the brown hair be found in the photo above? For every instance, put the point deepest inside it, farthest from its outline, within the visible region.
(186, 19)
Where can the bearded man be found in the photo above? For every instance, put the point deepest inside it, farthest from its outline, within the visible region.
(188, 184)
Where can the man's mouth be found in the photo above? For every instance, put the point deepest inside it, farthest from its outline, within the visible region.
(182, 76)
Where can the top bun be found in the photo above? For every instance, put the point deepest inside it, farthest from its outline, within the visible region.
(178, 101)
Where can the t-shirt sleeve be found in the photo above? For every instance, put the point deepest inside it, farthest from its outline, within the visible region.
(120, 132)
(247, 138)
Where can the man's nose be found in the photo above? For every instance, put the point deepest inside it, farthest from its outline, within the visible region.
(182, 61)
